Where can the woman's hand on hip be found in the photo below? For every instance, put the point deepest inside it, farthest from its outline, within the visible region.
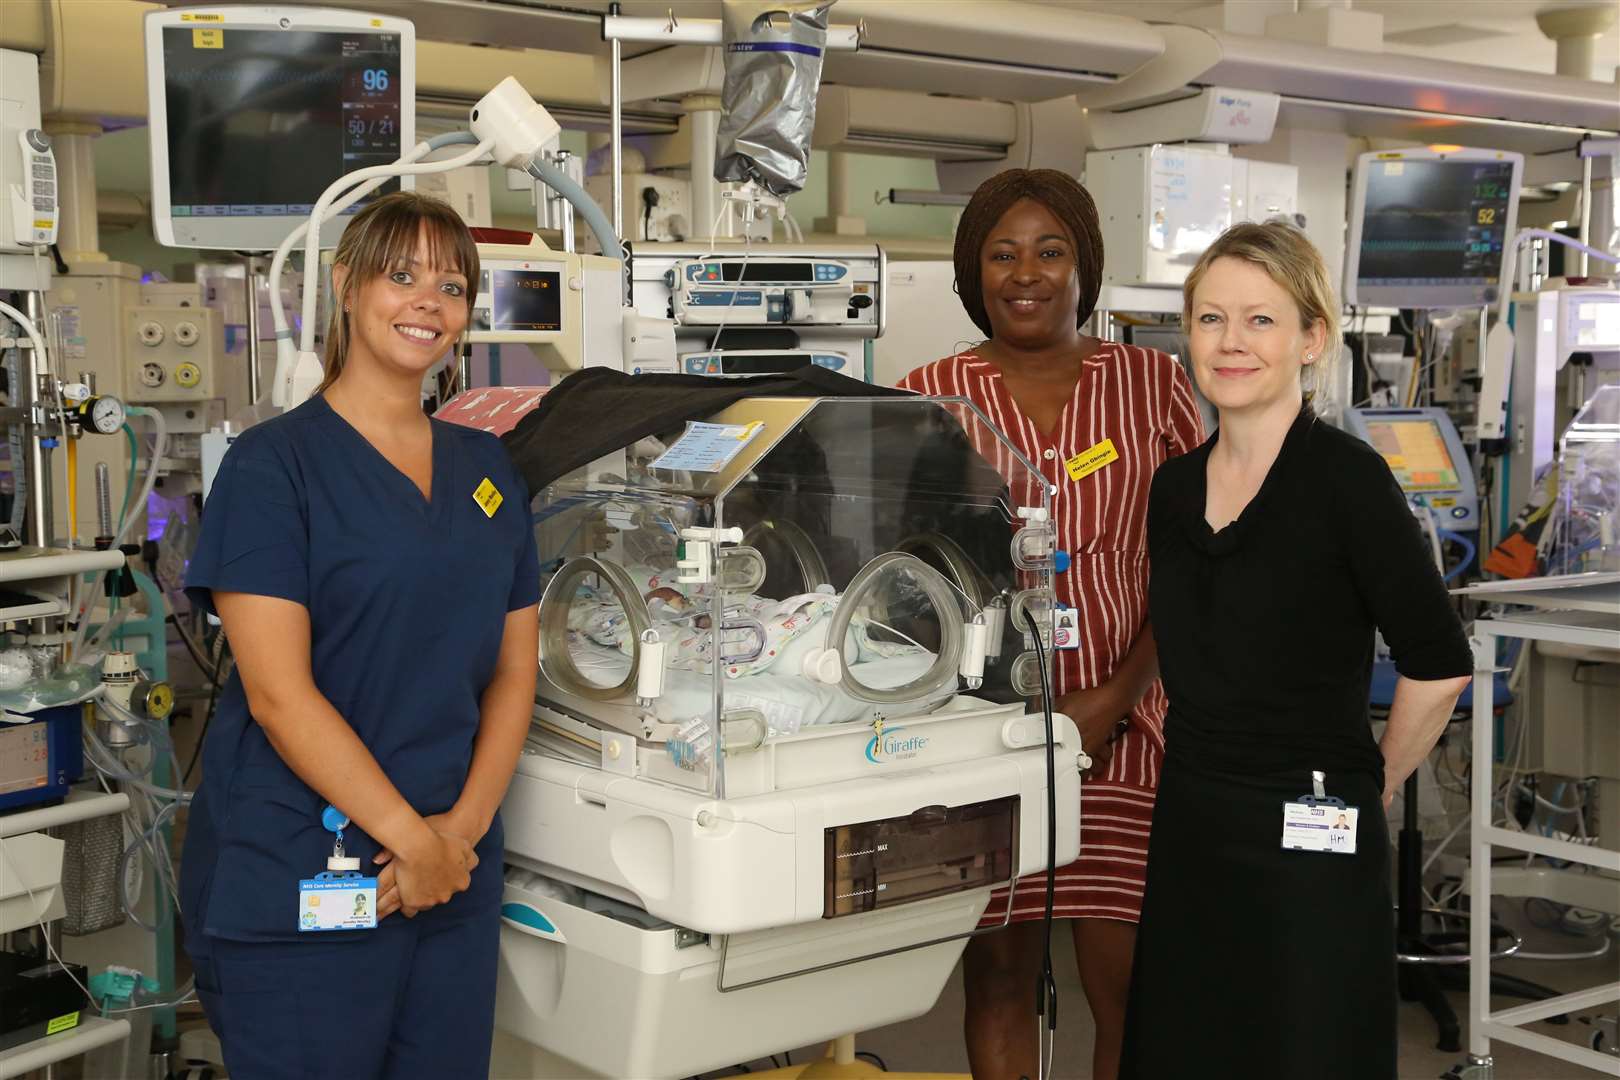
(1097, 712)
(430, 876)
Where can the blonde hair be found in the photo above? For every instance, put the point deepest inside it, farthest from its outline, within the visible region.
(1292, 261)
(382, 236)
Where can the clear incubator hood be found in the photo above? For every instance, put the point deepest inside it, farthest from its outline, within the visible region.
(784, 726)
(789, 565)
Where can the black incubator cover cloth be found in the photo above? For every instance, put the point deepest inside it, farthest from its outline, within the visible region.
(597, 410)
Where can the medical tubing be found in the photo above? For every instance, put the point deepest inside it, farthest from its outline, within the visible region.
(19, 496)
(286, 355)
(107, 628)
(1510, 267)
(28, 328)
(1046, 987)
(144, 840)
(1469, 549)
(565, 185)
(19, 451)
(129, 481)
(109, 768)
(159, 446)
(106, 760)
(72, 493)
(312, 237)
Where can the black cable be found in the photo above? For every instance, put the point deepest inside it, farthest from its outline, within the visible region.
(1046, 985)
(208, 716)
(191, 646)
(873, 1058)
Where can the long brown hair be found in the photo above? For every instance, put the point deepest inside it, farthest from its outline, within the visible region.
(379, 238)
(1068, 201)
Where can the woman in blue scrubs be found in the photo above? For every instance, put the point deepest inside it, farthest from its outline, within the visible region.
(376, 575)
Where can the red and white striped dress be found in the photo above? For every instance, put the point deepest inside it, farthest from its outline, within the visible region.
(1142, 401)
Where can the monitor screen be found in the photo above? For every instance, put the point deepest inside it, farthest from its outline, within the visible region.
(522, 300)
(768, 272)
(256, 122)
(1430, 231)
(1416, 453)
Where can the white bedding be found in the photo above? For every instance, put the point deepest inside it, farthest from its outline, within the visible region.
(788, 701)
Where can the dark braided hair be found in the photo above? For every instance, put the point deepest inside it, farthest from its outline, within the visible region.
(1061, 194)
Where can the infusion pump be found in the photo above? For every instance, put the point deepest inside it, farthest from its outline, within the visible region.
(764, 308)
(821, 291)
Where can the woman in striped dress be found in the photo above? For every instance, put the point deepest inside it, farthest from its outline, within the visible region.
(1097, 418)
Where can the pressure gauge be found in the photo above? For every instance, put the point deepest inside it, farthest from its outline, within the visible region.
(106, 414)
(155, 699)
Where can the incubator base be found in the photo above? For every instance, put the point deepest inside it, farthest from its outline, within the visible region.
(609, 998)
(761, 861)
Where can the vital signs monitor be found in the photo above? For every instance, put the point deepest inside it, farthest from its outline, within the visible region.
(1423, 450)
(255, 110)
(1429, 227)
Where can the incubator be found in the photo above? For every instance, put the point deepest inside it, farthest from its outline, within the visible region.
(783, 744)
(1586, 536)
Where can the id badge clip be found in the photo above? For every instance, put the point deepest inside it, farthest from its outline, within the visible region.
(341, 898)
(1319, 822)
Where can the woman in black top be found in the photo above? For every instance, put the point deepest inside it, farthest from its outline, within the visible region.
(1277, 548)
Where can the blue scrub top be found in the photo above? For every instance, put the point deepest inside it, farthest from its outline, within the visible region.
(407, 602)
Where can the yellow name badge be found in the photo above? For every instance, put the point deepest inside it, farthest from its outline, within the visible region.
(488, 499)
(1087, 462)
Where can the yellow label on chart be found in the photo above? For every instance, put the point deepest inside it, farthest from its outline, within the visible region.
(750, 431)
(62, 1023)
(1087, 462)
(488, 499)
(208, 39)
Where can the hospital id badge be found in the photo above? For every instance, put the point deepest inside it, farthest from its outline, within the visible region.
(1065, 628)
(337, 901)
(1319, 825)
(1319, 822)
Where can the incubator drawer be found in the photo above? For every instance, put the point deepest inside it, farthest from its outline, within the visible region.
(620, 999)
(933, 852)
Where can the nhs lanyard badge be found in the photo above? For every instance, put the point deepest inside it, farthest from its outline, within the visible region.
(341, 898)
(1319, 822)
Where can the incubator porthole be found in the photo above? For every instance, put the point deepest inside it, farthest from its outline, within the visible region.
(1026, 675)
(592, 618)
(900, 625)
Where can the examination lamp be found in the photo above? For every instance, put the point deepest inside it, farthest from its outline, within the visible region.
(507, 125)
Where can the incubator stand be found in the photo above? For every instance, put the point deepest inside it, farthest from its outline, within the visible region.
(783, 748)
(1587, 536)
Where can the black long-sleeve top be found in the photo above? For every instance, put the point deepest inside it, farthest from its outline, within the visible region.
(1265, 628)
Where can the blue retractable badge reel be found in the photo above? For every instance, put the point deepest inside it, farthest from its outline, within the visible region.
(339, 898)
